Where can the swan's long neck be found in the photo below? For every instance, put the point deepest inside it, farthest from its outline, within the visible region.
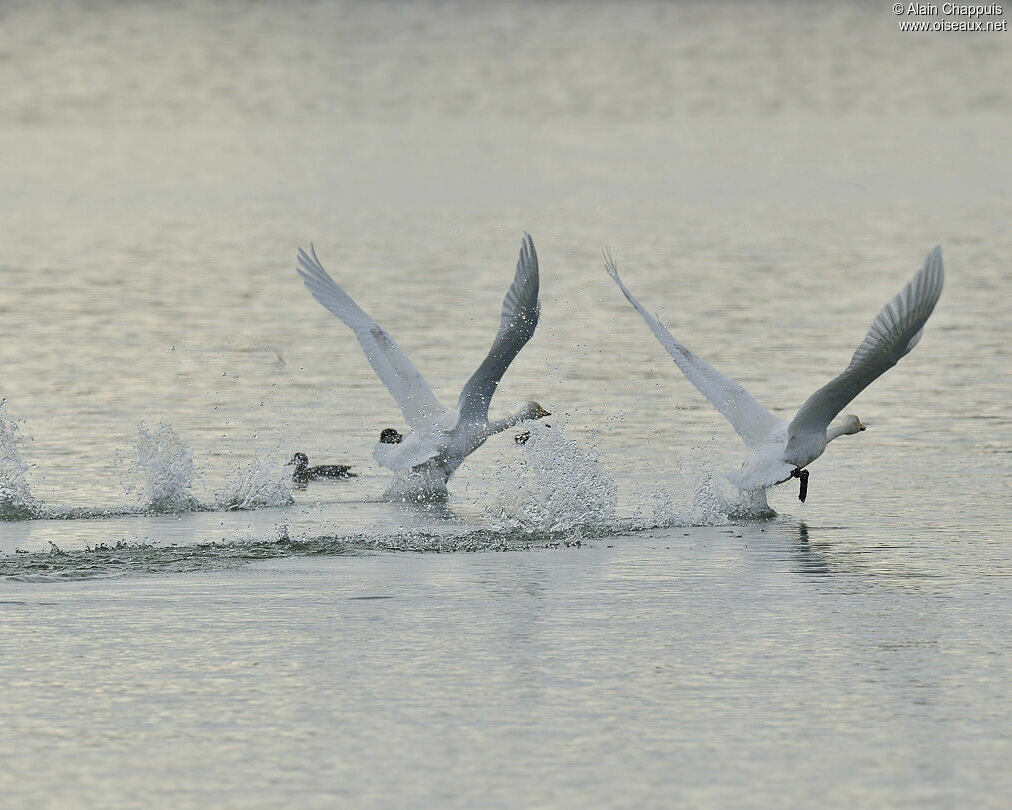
(499, 425)
(836, 431)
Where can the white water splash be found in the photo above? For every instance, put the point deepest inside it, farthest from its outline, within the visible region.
(16, 499)
(551, 483)
(256, 485)
(419, 485)
(695, 493)
(163, 471)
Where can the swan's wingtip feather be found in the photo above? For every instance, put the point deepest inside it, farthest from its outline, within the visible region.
(527, 251)
(935, 256)
(934, 271)
(609, 262)
(527, 263)
(934, 261)
(309, 260)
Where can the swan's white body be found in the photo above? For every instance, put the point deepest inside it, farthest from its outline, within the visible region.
(440, 438)
(779, 448)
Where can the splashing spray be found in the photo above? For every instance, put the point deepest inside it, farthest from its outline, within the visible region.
(163, 471)
(553, 484)
(256, 485)
(16, 499)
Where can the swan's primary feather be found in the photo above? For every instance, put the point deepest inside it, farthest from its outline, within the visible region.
(520, 312)
(893, 333)
(746, 415)
(420, 406)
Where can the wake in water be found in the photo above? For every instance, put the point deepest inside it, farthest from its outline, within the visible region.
(16, 499)
(122, 559)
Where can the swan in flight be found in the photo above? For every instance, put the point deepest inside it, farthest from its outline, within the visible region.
(440, 438)
(781, 450)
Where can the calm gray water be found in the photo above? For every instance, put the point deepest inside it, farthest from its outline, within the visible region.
(177, 628)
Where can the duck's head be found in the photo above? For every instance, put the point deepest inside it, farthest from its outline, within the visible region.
(390, 436)
(299, 461)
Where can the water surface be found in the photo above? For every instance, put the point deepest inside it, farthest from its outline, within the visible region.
(580, 623)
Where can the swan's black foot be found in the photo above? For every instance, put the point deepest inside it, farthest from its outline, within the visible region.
(802, 475)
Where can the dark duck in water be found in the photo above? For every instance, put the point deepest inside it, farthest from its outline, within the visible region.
(302, 473)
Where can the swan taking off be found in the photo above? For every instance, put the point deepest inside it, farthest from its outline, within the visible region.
(440, 438)
(781, 450)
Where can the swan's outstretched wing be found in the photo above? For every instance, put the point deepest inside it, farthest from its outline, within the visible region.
(893, 333)
(752, 421)
(420, 407)
(520, 312)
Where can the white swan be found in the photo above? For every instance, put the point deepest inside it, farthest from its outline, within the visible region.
(782, 450)
(440, 438)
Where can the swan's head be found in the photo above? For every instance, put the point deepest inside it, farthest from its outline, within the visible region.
(532, 410)
(390, 436)
(851, 424)
(299, 461)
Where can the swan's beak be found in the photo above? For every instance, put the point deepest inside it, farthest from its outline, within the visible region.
(542, 413)
(860, 426)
